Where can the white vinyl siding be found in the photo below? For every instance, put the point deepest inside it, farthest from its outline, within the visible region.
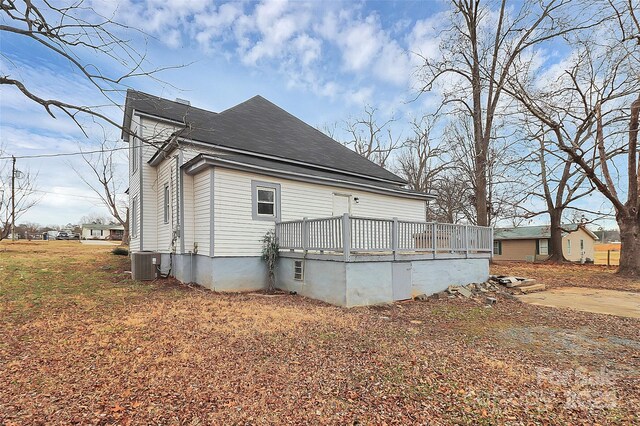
(202, 211)
(165, 173)
(237, 234)
(166, 204)
(134, 217)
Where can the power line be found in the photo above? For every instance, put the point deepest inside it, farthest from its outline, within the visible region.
(62, 154)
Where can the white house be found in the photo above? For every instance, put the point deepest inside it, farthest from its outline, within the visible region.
(205, 187)
(99, 231)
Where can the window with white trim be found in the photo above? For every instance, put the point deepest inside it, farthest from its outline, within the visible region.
(166, 203)
(298, 270)
(265, 199)
(96, 232)
(266, 202)
(497, 247)
(568, 246)
(134, 217)
(543, 247)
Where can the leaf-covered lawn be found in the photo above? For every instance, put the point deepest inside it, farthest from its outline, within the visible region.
(81, 343)
(569, 275)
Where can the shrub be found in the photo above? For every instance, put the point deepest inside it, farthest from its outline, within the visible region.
(120, 251)
(270, 252)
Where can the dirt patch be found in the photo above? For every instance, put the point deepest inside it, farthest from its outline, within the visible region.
(568, 275)
(600, 301)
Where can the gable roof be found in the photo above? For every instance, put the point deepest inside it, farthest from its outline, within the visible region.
(535, 232)
(260, 127)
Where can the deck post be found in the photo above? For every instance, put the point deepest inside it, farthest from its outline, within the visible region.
(466, 241)
(394, 237)
(491, 243)
(434, 239)
(346, 236)
(305, 235)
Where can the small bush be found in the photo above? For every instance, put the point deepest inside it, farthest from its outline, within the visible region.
(120, 251)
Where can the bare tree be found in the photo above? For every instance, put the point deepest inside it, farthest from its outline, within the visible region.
(106, 182)
(592, 109)
(25, 196)
(78, 34)
(479, 52)
(421, 160)
(557, 182)
(503, 169)
(453, 204)
(371, 140)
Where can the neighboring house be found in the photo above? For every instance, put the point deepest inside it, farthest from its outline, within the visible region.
(530, 243)
(205, 188)
(98, 231)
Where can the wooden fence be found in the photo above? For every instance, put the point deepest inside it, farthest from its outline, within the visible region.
(607, 254)
(349, 234)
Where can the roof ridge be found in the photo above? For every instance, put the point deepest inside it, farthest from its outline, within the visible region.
(159, 98)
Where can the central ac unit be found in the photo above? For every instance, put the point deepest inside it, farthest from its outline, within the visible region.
(145, 265)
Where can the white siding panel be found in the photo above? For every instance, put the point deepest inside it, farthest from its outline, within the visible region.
(188, 216)
(237, 234)
(165, 176)
(202, 211)
(134, 187)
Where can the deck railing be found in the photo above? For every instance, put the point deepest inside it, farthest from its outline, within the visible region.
(357, 235)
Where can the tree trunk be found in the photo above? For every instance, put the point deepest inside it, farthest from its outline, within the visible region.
(482, 209)
(630, 250)
(556, 236)
(125, 234)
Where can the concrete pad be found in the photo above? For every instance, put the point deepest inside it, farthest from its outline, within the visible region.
(600, 301)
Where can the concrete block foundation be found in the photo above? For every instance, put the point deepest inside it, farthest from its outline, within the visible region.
(331, 279)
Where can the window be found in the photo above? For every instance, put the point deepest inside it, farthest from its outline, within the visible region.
(298, 270)
(134, 154)
(543, 247)
(265, 200)
(166, 204)
(497, 247)
(568, 246)
(581, 245)
(134, 217)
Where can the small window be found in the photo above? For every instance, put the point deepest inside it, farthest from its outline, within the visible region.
(134, 154)
(166, 204)
(134, 217)
(581, 245)
(497, 247)
(568, 246)
(543, 247)
(298, 270)
(266, 202)
(265, 199)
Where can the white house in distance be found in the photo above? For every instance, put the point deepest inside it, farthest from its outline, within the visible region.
(99, 231)
(206, 187)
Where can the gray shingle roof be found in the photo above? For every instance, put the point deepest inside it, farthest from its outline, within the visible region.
(533, 232)
(260, 127)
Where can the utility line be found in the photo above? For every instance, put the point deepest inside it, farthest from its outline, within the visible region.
(62, 154)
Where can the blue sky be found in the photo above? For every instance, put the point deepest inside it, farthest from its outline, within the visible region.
(321, 61)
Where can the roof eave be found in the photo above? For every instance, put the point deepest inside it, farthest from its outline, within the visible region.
(203, 161)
